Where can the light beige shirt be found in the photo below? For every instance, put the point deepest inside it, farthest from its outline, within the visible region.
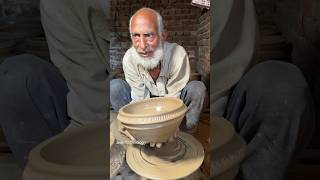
(174, 75)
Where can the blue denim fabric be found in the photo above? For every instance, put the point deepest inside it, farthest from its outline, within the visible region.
(272, 109)
(33, 103)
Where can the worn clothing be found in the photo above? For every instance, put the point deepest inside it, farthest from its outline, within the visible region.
(269, 106)
(174, 75)
(193, 95)
(33, 103)
(38, 98)
(272, 109)
(120, 94)
(77, 36)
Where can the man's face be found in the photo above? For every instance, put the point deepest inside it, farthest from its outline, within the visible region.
(144, 35)
(146, 40)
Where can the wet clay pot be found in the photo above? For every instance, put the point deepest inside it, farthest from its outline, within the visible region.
(76, 154)
(152, 120)
(227, 151)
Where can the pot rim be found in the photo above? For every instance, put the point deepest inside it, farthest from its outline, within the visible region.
(152, 126)
(129, 118)
(37, 161)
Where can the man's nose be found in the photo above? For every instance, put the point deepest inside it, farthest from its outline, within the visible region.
(142, 43)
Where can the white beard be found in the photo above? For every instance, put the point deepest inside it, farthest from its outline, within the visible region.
(149, 62)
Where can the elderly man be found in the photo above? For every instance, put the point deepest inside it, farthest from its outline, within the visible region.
(154, 67)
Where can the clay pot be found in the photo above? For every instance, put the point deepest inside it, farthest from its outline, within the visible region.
(227, 151)
(76, 154)
(152, 120)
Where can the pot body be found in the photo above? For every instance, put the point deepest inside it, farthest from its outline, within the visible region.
(76, 154)
(152, 120)
(158, 132)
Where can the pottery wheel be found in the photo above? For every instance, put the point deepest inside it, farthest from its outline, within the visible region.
(175, 160)
(117, 154)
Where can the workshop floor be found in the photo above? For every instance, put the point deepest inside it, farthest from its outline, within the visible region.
(9, 168)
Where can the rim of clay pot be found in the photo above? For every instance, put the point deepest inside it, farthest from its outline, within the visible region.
(126, 116)
(192, 160)
(228, 156)
(150, 126)
(37, 161)
(223, 132)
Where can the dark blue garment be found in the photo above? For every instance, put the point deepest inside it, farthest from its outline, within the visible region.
(272, 109)
(32, 103)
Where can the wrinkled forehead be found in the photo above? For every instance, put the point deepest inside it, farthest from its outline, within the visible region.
(144, 21)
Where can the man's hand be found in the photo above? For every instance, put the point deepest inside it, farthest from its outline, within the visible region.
(159, 145)
(152, 144)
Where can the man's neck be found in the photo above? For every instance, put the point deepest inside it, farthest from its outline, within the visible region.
(155, 72)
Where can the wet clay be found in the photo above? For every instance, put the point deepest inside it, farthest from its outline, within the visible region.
(153, 110)
(72, 155)
(227, 151)
(114, 128)
(175, 160)
(223, 132)
(152, 120)
(157, 120)
(171, 151)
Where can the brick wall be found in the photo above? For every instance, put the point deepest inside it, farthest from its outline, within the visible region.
(299, 20)
(13, 8)
(203, 64)
(181, 20)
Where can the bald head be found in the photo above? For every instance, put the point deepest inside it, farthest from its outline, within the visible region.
(146, 31)
(146, 16)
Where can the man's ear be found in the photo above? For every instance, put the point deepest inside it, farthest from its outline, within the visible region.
(164, 35)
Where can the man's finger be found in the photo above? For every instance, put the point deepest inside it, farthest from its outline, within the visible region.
(159, 145)
(152, 144)
(125, 132)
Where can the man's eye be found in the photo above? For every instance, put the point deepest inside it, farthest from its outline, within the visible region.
(149, 35)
